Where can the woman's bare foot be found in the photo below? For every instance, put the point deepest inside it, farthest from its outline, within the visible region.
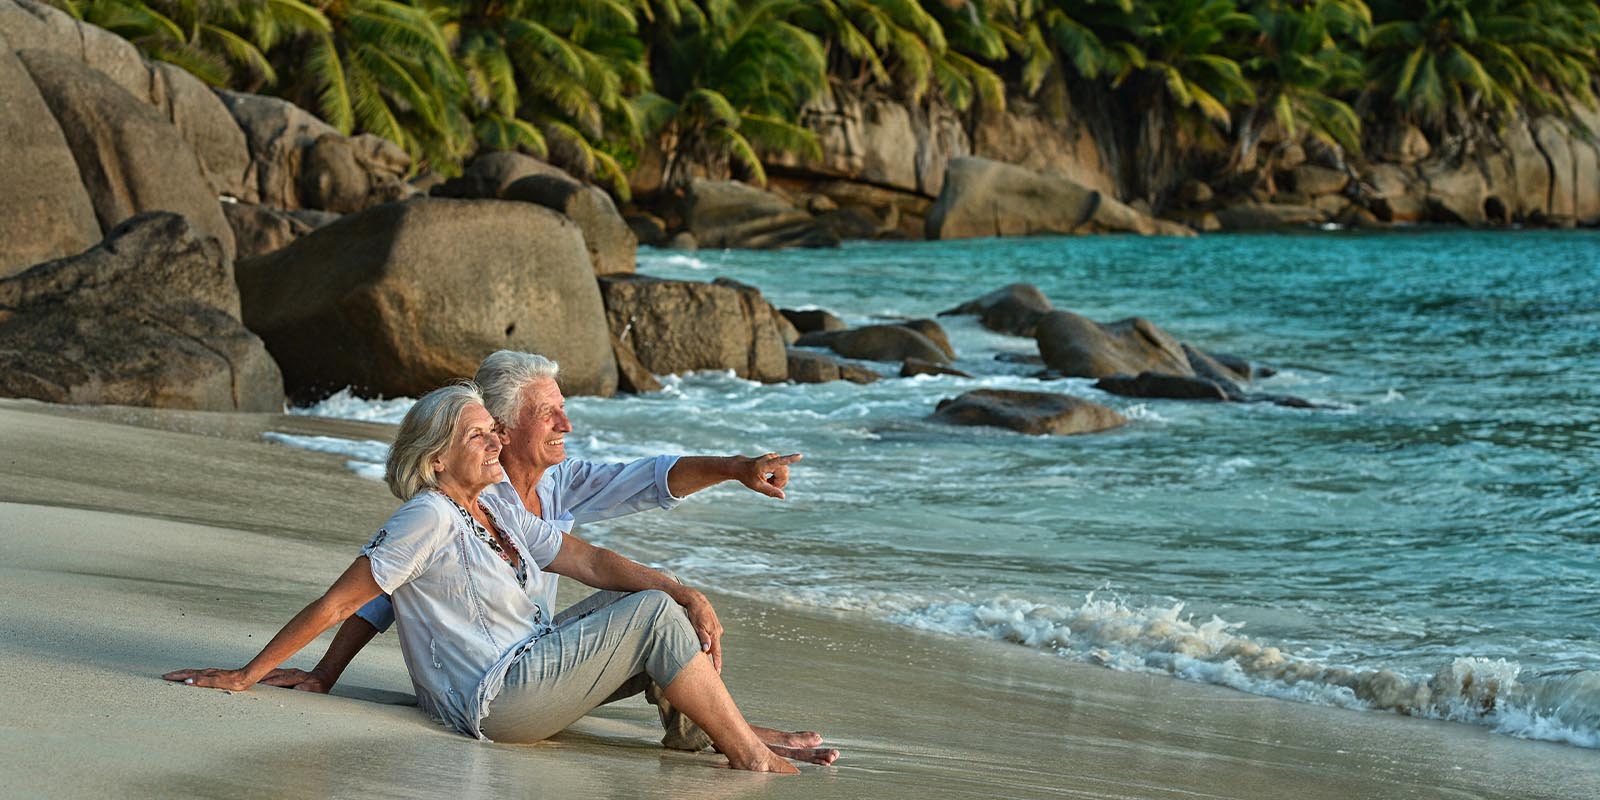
(772, 737)
(813, 755)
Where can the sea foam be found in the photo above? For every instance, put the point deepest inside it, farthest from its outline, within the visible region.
(1111, 633)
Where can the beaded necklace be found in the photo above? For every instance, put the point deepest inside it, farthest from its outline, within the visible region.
(519, 567)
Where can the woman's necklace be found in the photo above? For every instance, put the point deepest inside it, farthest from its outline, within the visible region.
(518, 566)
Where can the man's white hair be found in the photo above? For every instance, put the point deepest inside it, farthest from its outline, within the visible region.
(502, 377)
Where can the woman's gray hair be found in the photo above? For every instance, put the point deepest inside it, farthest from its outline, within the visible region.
(425, 433)
(502, 377)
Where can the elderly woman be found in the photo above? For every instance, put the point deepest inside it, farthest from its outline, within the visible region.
(464, 568)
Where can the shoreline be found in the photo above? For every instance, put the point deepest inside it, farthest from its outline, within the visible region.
(138, 541)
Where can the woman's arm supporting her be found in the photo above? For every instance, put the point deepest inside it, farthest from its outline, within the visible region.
(606, 569)
(347, 594)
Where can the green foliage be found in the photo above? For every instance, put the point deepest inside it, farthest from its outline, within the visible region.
(592, 83)
(1305, 59)
(1432, 60)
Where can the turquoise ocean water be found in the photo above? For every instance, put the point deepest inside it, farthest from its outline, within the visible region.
(1428, 543)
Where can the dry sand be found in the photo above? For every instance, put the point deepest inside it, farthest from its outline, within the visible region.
(134, 542)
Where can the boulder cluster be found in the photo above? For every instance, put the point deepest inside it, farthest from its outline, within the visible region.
(170, 245)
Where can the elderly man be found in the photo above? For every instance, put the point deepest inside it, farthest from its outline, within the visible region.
(520, 392)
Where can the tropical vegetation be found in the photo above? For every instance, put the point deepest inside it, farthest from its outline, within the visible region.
(719, 86)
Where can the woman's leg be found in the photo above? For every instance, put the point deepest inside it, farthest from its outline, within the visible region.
(698, 691)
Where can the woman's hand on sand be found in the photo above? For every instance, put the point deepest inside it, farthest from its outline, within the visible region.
(706, 626)
(298, 680)
(232, 680)
(766, 474)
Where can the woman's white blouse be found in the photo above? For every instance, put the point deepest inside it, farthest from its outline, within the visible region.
(462, 614)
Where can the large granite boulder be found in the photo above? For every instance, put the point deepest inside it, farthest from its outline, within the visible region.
(1014, 309)
(149, 317)
(1174, 387)
(808, 366)
(683, 326)
(988, 198)
(806, 320)
(1251, 216)
(877, 343)
(880, 141)
(37, 25)
(130, 158)
(611, 243)
(729, 214)
(45, 213)
(204, 122)
(489, 175)
(1457, 194)
(1079, 347)
(259, 230)
(934, 333)
(1035, 413)
(402, 298)
(344, 174)
(299, 161)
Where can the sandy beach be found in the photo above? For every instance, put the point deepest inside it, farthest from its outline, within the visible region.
(133, 542)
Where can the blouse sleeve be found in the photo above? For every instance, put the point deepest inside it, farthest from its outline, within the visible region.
(407, 543)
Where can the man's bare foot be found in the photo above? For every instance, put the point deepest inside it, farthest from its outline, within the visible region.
(764, 761)
(814, 755)
(772, 737)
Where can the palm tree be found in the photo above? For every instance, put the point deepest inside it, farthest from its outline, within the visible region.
(1439, 63)
(222, 43)
(1299, 71)
(554, 78)
(731, 79)
(383, 67)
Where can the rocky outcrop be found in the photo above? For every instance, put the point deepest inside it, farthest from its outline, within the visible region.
(1025, 136)
(1035, 413)
(45, 213)
(877, 343)
(1263, 216)
(205, 124)
(806, 320)
(1079, 347)
(1175, 387)
(130, 159)
(988, 198)
(934, 333)
(404, 297)
(806, 366)
(489, 175)
(299, 161)
(916, 366)
(731, 214)
(1013, 309)
(611, 243)
(632, 375)
(149, 317)
(259, 230)
(873, 139)
(683, 326)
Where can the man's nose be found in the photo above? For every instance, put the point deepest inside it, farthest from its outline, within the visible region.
(563, 422)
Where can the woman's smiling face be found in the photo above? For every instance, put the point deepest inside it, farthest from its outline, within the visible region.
(472, 461)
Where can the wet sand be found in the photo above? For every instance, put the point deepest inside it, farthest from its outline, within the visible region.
(133, 542)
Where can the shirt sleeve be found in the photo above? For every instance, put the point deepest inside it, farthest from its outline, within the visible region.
(379, 611)
(540, 538)
(407, 543)
(592, 492)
